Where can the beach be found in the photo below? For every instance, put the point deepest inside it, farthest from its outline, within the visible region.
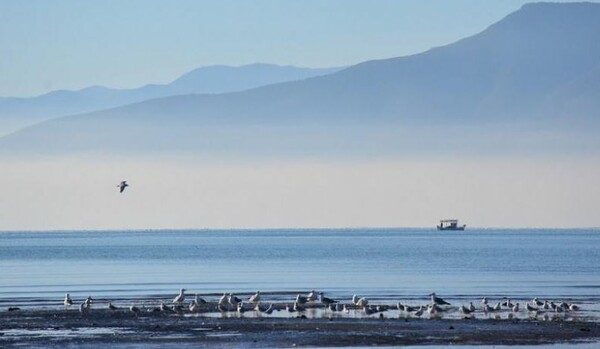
(59, 328)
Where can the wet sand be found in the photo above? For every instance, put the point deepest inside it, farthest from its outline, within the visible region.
(59, 328)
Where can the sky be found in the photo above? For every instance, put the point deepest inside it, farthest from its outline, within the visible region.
(167, 193)
(49, 45)
(71, 44)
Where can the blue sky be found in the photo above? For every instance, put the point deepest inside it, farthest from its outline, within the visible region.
(68, 44)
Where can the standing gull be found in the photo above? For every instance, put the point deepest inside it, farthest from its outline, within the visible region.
(326, 300)
(233, 300)
(515, 308)
(465, 310)
(223, 299)
(68, 301)
(180, 297)
(84, 307)
(471, 307)
(312, 296)
(437, 300)
(536, 303)
(122, 186)
(301, 299)
(255, 298)
(199, 300)
(194, 307)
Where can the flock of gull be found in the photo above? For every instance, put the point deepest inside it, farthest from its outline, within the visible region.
(228, 302)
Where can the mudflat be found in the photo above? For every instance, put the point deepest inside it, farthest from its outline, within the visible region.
(56, 328)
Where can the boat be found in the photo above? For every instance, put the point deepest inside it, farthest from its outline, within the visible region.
(450, 224)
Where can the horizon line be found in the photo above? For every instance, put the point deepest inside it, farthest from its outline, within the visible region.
(283, 229)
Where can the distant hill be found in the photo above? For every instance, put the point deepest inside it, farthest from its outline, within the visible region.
(17, 112)
(529, 83)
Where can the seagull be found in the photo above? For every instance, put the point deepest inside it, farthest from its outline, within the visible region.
(68, 301)
(484, 300)
(465, 310)
(122, 186)
(292, 308)
(471, 307)
(515, 308)
(180, 297)
(194, 307)
(270, 309)
(255, 298)
(258, 308)
(345, 309)
(487, 308)
(419, 312)
(112, 307)
(507, 303)
(223, 299)
(431, 309)
(134, 309)
(401, 307)
(312, 296)
(546, 305)
(88, 301)
(199, 300)
(240, 308)
(536, 303)
(163, 307)
(369, 310)
(84, 307)
(498, 307)
(233, 300)
(362, 302)
(298, 307)
(437, 300)
(382, 308)
(222, 308)
(530, 308)
(355, 299)
(408, 308)
(301, 299)
(573, 307)
(326, 300)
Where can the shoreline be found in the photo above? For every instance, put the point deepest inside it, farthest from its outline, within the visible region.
(58, 328)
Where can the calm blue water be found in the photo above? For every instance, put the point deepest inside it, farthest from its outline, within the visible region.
(38, 268)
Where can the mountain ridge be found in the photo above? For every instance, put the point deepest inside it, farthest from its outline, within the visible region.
(202, 80)
(519, 80)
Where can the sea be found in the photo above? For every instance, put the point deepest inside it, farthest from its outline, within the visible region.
(386, 265)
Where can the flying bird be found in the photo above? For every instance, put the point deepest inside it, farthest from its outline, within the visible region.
(122, 186)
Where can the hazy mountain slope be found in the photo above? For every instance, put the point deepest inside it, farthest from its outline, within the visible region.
(527, 83)
(17, 112)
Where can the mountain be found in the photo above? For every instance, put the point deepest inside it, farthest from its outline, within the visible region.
(528, 83)
(17, 112)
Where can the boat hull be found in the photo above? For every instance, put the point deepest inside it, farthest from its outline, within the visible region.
(462, 227)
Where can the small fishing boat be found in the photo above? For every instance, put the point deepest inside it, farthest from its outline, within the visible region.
(450, 224)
